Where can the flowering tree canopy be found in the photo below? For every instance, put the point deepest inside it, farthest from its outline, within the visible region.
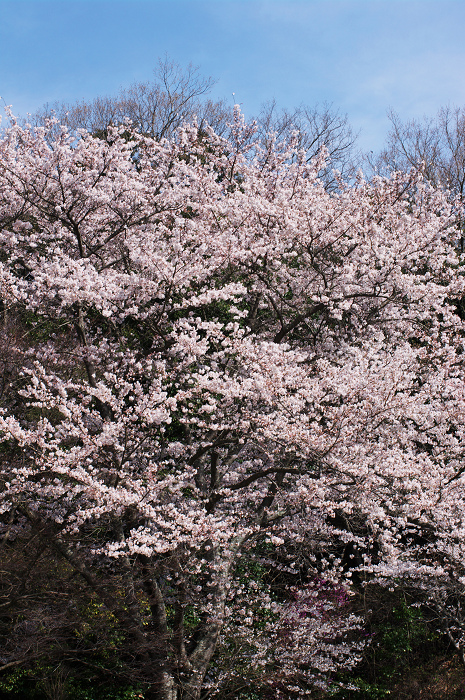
(222, 359)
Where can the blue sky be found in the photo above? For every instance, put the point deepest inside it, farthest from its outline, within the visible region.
(363, 56)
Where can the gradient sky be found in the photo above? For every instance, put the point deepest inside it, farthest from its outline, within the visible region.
(363, 56)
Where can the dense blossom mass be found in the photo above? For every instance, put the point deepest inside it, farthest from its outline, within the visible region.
(214, 361)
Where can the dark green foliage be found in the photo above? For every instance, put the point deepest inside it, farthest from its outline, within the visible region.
(50, 682)
(402, 640)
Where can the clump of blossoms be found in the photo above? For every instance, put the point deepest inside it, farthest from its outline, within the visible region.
(219, 354)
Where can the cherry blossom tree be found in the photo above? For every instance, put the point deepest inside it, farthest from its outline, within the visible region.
(436, 146)
(222, 360)
(314, 127)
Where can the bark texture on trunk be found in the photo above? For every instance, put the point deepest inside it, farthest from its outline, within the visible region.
(169, 688)
(173, 689)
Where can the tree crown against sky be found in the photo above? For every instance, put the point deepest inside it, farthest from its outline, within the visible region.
(404, 54)
(157, 108)
(224, 356)
(179, 95)
(434, 145)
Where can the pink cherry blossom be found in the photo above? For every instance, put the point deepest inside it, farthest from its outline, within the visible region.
(224, 354)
